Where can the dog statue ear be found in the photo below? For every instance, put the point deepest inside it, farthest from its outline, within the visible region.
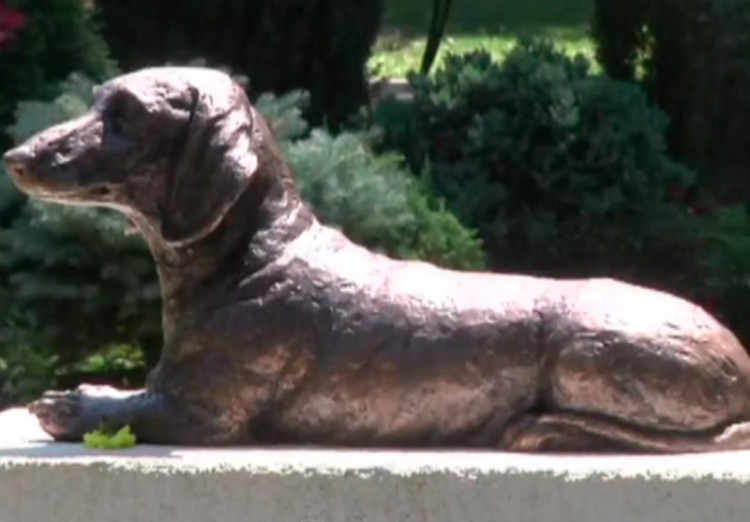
(214, 166)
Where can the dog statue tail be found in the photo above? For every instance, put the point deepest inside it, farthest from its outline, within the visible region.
(618, 436)
(734, 437)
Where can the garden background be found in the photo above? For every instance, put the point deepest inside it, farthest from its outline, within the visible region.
(565, 138)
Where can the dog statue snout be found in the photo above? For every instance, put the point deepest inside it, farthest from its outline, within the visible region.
(17, 162)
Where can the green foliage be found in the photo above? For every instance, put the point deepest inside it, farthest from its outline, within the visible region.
(372, 200)
(727, 266)
(368, 196)
(102, 439)
(695, 56)
(59, 38)
(71, 282)
(321, 47)
(11, 201)
(112, 360)
(32, 116)
(284, 113)
(562, 171)
(25, 371)
(75, 272)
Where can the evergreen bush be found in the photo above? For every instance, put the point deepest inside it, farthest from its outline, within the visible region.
(370, 197)
(562, 171)
(58, 38)
(378, 204)
(726, 288)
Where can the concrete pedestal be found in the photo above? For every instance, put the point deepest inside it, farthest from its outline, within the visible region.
(41, 481)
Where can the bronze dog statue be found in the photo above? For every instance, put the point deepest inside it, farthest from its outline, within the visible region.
(278, 329)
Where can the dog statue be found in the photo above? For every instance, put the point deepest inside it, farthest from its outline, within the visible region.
(279, 330)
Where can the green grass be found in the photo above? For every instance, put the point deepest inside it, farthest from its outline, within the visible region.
(396, 55)
(490, 24)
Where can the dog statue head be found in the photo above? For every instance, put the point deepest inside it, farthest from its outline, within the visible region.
(174, 148)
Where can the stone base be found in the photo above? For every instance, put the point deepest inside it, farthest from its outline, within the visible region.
(42, 481)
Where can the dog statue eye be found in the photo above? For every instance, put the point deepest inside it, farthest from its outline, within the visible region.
(117, 107)
(117, 124)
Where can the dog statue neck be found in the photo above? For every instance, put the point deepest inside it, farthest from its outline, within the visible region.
(255, 231)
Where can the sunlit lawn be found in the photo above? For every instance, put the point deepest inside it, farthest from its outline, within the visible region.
(490, 24)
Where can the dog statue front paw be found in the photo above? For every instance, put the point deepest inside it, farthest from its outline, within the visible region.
(68, 415)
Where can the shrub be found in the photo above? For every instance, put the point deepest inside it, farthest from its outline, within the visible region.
(25, 372)
(58, 38)
(72, 270)
(726, 262)
(563, 172)
(74, 285)
(319, 46)
(372, 200)
(696, 67)
(368, 196)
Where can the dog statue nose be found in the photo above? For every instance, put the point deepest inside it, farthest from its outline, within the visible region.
(17, 162)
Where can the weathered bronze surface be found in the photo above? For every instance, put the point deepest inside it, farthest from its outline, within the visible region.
(280, 330)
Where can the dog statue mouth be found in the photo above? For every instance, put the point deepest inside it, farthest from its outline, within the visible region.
(95, 195)
(19, 167)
